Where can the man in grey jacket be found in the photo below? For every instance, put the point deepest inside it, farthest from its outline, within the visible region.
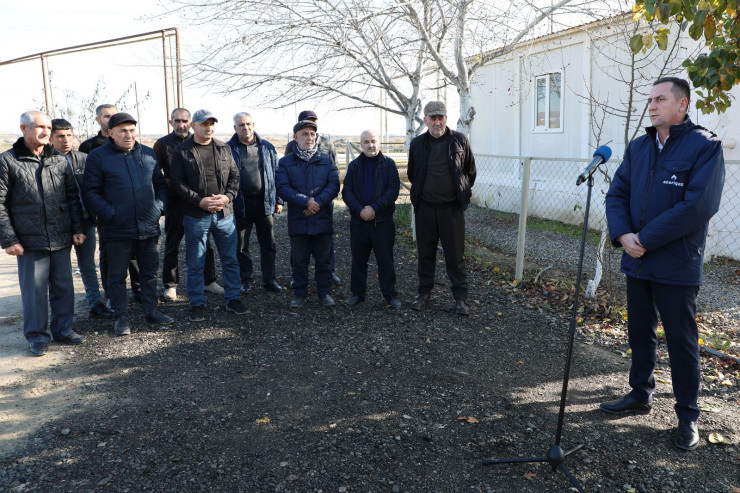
(40, 218)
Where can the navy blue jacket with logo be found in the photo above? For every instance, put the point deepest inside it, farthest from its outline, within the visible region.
(667, 197)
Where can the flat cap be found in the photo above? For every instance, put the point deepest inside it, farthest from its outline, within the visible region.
(119, 118)
(307, 115)
(303, 124)
(435, 108)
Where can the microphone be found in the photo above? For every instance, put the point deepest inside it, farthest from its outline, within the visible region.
(601, 155)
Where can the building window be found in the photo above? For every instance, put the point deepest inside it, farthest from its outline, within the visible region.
(548, 110)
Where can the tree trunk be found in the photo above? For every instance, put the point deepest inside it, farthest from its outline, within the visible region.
(467, 112)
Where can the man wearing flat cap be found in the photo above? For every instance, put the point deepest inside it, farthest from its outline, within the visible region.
(441, 170)
(308, 181)
(205, 177)
(324, 144)
(124, 187)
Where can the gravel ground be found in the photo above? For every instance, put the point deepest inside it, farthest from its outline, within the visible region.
(361, 400)
(719, 293)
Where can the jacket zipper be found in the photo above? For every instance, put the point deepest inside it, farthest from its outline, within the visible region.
(647, 195)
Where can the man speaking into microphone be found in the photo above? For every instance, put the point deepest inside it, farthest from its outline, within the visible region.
(658, 209)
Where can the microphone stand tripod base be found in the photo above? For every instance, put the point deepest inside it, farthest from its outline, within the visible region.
(555, 457)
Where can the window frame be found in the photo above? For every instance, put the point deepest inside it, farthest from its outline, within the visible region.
(546, 127)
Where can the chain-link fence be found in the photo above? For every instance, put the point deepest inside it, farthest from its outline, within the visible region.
(553, 195)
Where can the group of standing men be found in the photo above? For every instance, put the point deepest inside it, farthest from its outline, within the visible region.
(53, 197)
(658, 208)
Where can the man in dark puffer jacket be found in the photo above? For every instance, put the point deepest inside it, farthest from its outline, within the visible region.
(123, 185)
(40, 217)
(308, 180)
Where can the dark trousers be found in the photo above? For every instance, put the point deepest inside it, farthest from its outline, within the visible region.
(302, 248)
(45, 279)
(147, 255)
(133, 267)
(445, 224)
(677, 308)
(367, 237)
(254, 215)
(174, 232)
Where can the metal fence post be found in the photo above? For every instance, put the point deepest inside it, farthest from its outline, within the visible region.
(522, 233)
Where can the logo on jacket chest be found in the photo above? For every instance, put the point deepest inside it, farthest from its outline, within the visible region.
(673, 181)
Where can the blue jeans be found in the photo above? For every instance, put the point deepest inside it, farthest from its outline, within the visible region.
(197, 233)
(86, 263)
(46, 280)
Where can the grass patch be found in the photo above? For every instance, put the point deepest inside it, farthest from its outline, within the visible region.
(592, 236)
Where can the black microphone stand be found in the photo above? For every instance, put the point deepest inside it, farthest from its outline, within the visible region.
(556, 455)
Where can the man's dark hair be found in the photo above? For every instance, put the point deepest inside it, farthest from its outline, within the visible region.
(680, 87)
(102, 107)
(60, 124)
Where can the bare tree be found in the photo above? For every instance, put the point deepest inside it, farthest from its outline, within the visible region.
(285, 51)
(479, 32)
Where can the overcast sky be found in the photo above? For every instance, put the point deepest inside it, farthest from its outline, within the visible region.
(33, 27)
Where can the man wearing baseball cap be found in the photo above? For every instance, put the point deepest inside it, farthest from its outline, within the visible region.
(204, 175)
(124, 187)
(441, 170)
(308, 180)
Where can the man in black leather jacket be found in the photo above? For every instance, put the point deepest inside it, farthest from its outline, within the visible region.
(442, 172)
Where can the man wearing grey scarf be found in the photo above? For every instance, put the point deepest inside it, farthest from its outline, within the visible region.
(308, 181)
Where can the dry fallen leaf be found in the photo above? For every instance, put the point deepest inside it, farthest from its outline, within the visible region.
(468, 419)
(719, 439)
(529, 475)
(264, 420)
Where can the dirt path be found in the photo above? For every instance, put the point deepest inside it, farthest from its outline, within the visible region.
(32, 390)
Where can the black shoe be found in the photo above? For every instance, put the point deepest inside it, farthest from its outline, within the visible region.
(157, 317)
(99, 310)
(38, 348)
(687, 436)
(196, 314)
(72, 338)
(236, 306)
(246, 287)
(136, 297)
(327, 300)
(394, 303)
(353, 300)
(461, 308)
(123, 327)
(335, 279)
(297, 301)
(273, 287)
(626, 405)
(421, 302)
